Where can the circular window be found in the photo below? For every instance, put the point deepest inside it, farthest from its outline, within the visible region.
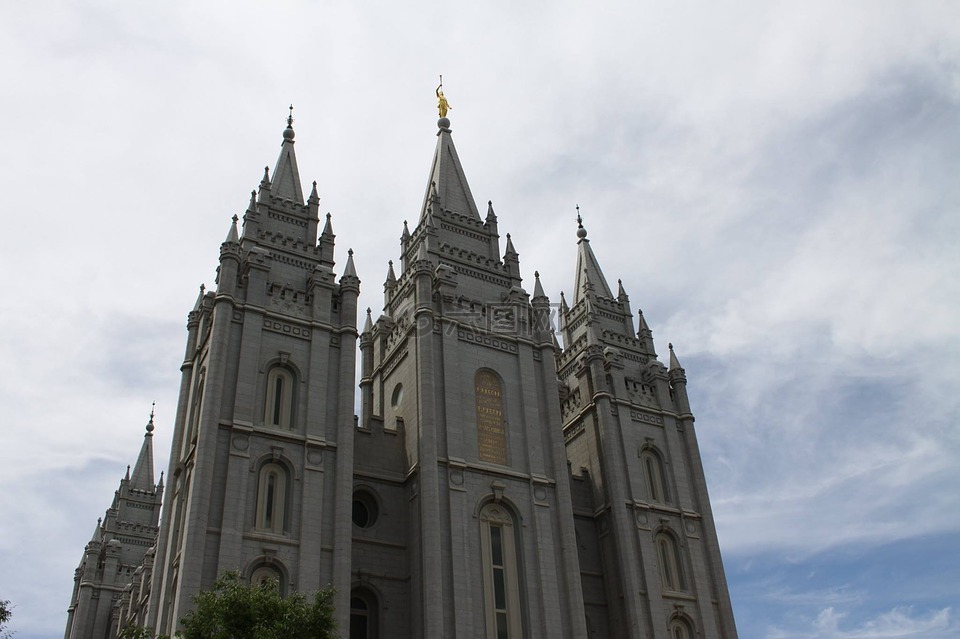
(397, 395)
(365, 510)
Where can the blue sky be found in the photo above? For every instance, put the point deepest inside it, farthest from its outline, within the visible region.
(774, 182)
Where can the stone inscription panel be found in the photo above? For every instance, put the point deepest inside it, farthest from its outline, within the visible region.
(491, 425)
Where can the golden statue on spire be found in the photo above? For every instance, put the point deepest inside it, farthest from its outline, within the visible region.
(442, 105)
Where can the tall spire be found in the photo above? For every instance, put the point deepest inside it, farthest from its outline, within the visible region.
(447, 177)
(142, 477)
(588, 268)
(286, 177)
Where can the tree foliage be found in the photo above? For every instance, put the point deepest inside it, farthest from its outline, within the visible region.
(235, 610)
(5, 614)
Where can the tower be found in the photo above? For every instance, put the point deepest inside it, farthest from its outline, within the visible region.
(121, 546)
(649, 554)
(262, 453)
(461, 440)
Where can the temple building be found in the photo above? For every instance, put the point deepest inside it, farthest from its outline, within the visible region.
(504, 478)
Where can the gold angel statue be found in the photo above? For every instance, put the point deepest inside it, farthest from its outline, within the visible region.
(442, 105)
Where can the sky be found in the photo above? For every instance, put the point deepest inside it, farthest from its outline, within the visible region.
(774, 182)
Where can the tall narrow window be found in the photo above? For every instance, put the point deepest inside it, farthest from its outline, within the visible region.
(500, 574)
(278, 406)
(363, 615)
(654, 474)
(671, 566)
(679, 629)
(271, 498)
(491, 420)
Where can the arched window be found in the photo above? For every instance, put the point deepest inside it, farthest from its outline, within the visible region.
(267, 575)
(278, 407)
(193, 419)
(654, 475)
(271, 498)
(680, 629)
(501, 582)
(671, 564)
(364, 615)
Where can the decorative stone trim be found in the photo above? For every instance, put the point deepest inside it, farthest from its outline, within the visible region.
(286, 329)
(647, 418)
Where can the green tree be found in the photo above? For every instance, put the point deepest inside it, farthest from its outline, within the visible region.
(5, 614)
(235, 610)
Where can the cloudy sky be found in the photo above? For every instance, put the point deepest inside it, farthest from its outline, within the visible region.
(775, 183)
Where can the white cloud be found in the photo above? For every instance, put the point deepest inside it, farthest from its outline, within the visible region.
(898, 623)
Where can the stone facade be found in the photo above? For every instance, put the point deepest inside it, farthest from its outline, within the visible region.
(495, 483)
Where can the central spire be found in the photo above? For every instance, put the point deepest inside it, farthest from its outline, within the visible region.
(447, 183)
(286, 177)
(589, 274)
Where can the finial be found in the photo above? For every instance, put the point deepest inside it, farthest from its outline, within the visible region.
(581, 232)
(536, 274)
(266, 175)
(288, 132)
(350, 252)
(202, 289)
(670, 345)
(442, 106)
(153, 407)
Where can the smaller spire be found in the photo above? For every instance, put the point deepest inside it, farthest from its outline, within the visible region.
(368, 325)
(509, 250)
(391, 276)
(327, 226)
(406, 232)
(537, 287)
(491, 216)
(265, 181)
(621, 294)
(350, 270)
(252, 207)
(422, 253)
(563, 303)
(127, 477)
(233, 236)
(314, 196)
(674, 362)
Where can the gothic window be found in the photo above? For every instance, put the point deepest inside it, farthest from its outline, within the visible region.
(671, 564)
(271, 498)
(501, 583)
(278, 407)
(193, 420)
(654, 475)
(680, 629)
(363, 615)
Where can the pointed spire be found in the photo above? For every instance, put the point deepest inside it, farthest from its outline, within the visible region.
(252, 207)
(95, 537)
(509, 250)
(314, 196)
(674, 362)
(391, 276)
(406, 232)
(491, 216)
(368, 325)
(233, 236)
(621, 294)
(422, 253)
(327, 226)
(563, 303)
(286, 175)
(588, 271)
(350, 270)
(537, 287)
(447, 181)
(142, 477)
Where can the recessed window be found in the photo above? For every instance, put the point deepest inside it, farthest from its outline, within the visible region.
(363, 615)
(679, 629)
(271, 498)
(655, 476)
(278, 406)
(397, 396)
(671, 564)
(500, 577)
(365, 509)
